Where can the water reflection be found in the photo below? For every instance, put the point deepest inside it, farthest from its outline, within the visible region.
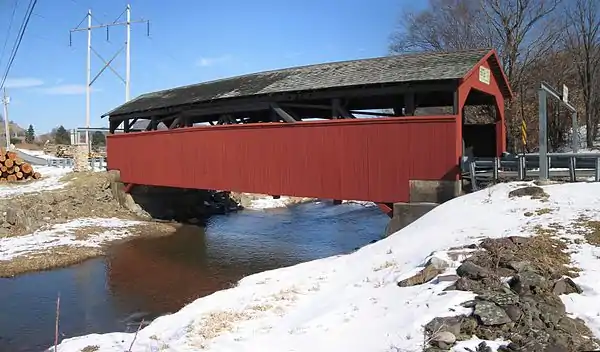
(149, 277)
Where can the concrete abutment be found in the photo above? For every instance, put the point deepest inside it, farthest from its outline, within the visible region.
(424, 196)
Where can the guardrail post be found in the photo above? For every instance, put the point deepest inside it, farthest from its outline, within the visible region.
(472, 175)
(520, 168)
(572, 175)
(495, 169)
(597, 170)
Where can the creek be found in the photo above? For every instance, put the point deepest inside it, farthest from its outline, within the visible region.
(149, 277)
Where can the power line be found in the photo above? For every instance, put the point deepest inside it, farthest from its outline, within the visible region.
(17, 45)
(12, 18)
(107, 63)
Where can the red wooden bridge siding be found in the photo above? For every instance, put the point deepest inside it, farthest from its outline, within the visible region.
(358, 159)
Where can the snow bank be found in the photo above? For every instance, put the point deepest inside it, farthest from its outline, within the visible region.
(37, 153)
(64, 235)
(351, 302)
(50, 180)
(268, 202)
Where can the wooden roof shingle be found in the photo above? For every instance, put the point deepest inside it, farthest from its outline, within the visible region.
(405, 68)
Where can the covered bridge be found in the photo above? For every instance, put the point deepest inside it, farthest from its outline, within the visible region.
(388, 129)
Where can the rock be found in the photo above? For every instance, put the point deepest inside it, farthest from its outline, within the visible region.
(443, 339)
(500, 298)
(442, 278)
(555, 347)
(471, 270)
(425, 275)
(519, 240)
(528, 281)
(511, 347)
(565, 286)
(533, 191)
(519, 266)
(446, 324)
(437, 263)
(492, 243)
(469, 304)
(12, 216)
(514, 313)
(16, 216)
(483, 347)
(490, 314)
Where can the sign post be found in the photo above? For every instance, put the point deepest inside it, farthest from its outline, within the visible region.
(544, 91)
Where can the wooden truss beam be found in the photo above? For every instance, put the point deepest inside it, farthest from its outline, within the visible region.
(256, 103)
(285, 116)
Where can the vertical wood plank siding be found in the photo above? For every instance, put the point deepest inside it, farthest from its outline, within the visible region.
(358, 159)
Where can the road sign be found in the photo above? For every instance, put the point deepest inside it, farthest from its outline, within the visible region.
(565, 94)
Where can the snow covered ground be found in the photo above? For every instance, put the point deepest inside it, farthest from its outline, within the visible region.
(65, 235)
(50, 180)
(351, 302)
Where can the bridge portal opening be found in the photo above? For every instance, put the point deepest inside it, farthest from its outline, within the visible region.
(479, 118)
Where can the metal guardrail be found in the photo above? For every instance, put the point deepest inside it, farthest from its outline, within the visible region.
(95, 163)
(520, 166)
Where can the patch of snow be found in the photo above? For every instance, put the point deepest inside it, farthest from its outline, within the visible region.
(268, 202)
(50, 180)
(352, 302)
(64, 235)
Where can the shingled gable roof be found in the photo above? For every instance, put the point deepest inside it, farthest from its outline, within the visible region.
(404, 68)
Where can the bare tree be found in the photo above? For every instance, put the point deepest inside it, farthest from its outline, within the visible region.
(523, 31)
(581, 39)
(445, 25)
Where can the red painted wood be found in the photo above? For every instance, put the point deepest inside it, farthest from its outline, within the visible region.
(358, 159)
(386, 208)
(472, 81)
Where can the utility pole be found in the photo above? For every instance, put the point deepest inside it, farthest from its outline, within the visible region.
(88, 83)
(5, 101)
(107, 63)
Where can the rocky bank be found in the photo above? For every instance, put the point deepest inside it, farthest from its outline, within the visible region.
(102, 195)
(518, 282)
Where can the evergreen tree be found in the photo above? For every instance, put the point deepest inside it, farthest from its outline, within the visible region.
(62, 136)
(98, 139)
(30, 135)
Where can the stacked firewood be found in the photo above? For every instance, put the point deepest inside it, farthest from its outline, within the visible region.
(13, 168)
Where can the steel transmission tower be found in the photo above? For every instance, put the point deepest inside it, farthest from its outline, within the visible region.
(107, 64)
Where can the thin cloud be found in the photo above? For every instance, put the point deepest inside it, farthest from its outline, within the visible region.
(66, 89)
(211, 61)
(24, 82)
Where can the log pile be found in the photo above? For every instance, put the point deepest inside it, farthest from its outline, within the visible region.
(13, 168)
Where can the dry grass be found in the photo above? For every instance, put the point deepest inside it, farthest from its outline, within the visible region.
(387, 264)
(590, 229)
(217, 322)
(63, 256)
(57, 257)
(547, 252)
(91, 348)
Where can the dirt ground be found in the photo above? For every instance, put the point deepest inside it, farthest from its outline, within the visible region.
(86, 195)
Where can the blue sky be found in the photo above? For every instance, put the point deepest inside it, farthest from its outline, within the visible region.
(190, 42)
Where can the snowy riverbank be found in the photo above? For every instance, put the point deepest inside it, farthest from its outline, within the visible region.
(62, 219)
(353, 302)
